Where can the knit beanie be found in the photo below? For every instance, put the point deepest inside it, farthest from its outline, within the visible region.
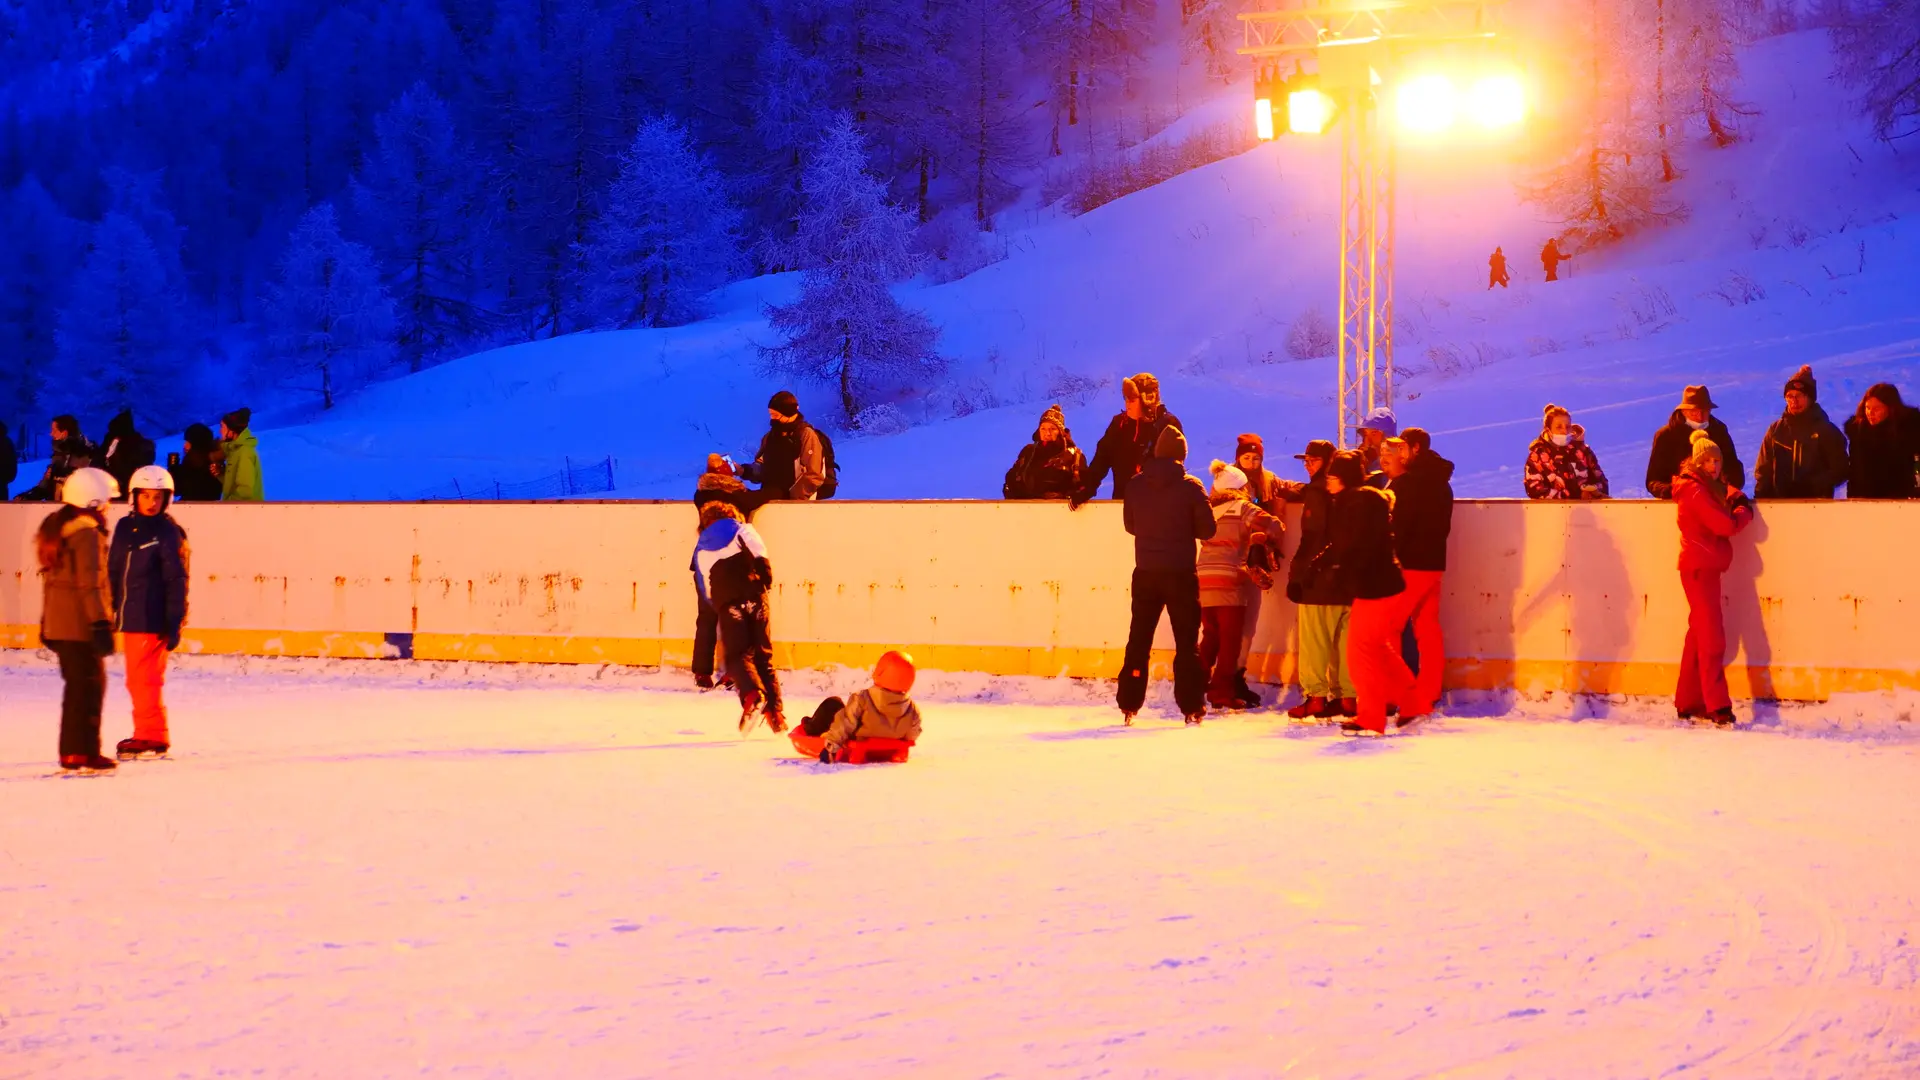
(1803, 381)
(1250, 442)
(1227, 477)
(1171, 444)
(1054, 414)
(1348, 467)
(1703, 448)
(199, 437)
(238, 419)
(784, 403)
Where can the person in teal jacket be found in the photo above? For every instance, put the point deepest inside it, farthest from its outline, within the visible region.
(240, 478)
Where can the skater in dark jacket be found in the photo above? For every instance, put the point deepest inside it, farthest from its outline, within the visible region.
(147, 570)
(1360, 554)
(76, 614)
(1883, 444)
(1324, 605)
(194, 479)
(733, 574)
(1130, 438)
(124, 449)
(1803, 455)
(1167, 512)
(1049, 467)
(71, 453)
(1710, 512)
(1673, 444)
(719, 484)
(1422, 523)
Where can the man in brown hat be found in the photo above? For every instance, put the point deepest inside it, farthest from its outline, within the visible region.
(1673, 444)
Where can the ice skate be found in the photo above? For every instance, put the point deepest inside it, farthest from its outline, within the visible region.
(749, 714)
(1722, 718)
(86, 764)
(1310, 710)
(1126, 718)
(1194, 718)
(133, 749)
(776, 721)
(1353, 729)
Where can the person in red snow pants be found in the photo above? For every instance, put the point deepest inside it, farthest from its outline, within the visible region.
(1380, 673)
(1709, 513)
(1423, 608)
(1360, 553)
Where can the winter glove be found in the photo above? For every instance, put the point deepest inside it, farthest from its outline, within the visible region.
(1079, 499)
(826, 755)
(103, 639)
(172, 640)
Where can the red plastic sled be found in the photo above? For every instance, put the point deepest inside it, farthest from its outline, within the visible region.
(857, 751)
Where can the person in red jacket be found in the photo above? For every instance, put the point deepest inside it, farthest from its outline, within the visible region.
(1710, 513)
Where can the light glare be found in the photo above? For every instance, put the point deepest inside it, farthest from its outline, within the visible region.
(1497, 101)
(1308, 112)
(1263, 119)
(1427, 104)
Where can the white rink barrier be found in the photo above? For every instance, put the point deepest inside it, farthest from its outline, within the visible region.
(1822, 598)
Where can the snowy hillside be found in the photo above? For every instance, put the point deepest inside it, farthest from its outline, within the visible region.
(1199, 280)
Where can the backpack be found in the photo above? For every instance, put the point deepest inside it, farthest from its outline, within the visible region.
(831, 469)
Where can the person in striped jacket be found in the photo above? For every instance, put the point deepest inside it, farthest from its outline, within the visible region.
(1224, 581)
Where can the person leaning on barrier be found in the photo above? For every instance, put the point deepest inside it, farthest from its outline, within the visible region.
(1673, 444)
(124, 450)
(1883, 447)
(792, 462)
(1803, 455)
(1128, 443)
(240, 479)
(1560, 466)
(1050, 466)
(71, 453)
(195, 477)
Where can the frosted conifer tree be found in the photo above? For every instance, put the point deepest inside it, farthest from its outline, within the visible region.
(790, 94)
(41, 249)
(667, 234)
(331, 320)
(986, 126)
(847, 329)
(119, 336)
(1879, 48)
(417, 206)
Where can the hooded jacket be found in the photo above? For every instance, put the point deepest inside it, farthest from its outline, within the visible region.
(69, 455)
(874, 713)
(76, 596)
(1125, 449)
(1222, 562)
(1673, 444)
(730, 565)
(125, 450)
(1308, 582)
(1045, 470)
(193, 478)
(1707, 522)
(147, 566)
(241, 481)
(1881, 458)
(1802, 457)
(1166, 511)
(1423, 512)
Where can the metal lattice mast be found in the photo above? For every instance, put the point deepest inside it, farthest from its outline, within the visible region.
(1360, 192)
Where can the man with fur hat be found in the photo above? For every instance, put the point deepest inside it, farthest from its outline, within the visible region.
(240, 479)
(792, 462)
(1804, 456)
(1673, 444)
(1050, 466)
(1166, 511)
(1128, 443)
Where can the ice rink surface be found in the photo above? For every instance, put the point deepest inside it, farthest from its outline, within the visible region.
(367, 872)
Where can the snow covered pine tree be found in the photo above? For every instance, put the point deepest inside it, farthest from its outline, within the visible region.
(332, 321)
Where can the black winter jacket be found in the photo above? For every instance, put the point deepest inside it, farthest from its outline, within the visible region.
(9, 462)
(1423, 512)
(1306, 581)
(193, 479)
(1359, 551)
(1802, 457)
(1673, 444)
(147, 570)
(125, 451)
(1125, 450)
(69, 456)
(1168, 514)
(1881, 457)
(1045, 471)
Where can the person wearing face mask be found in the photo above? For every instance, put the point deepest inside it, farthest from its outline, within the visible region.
(1673, 444)
(1128, 443)
(1803, 456)
(1560, 466)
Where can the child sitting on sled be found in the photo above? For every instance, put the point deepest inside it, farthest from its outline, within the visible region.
(882, 712)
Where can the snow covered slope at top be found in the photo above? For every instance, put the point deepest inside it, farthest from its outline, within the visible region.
(1800, 249)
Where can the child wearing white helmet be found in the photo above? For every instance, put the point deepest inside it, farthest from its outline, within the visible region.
(147, 568)
(76, 610)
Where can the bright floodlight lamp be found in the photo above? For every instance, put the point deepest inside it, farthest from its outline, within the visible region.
(1427, 104)
(1263, 118)
(1497, 101)
(1308, 111)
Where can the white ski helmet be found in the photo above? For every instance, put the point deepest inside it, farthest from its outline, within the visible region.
(150, 478)
(90, 489)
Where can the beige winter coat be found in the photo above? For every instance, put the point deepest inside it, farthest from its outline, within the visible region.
(875, 713)
(76, 594)
(1222, 564)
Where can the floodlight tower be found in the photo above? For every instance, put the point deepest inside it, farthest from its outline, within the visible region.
(1356, 46)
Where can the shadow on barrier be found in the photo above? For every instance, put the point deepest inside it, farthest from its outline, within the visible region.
(1601, 619)
(1747, 613)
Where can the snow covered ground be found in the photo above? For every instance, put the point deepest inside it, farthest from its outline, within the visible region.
(367, 870)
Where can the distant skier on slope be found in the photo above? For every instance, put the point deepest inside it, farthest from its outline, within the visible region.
(1497, 270)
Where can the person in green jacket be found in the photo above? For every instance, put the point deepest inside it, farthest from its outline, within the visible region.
(240, 479)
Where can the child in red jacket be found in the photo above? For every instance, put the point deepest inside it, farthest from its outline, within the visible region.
(1710, 513)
